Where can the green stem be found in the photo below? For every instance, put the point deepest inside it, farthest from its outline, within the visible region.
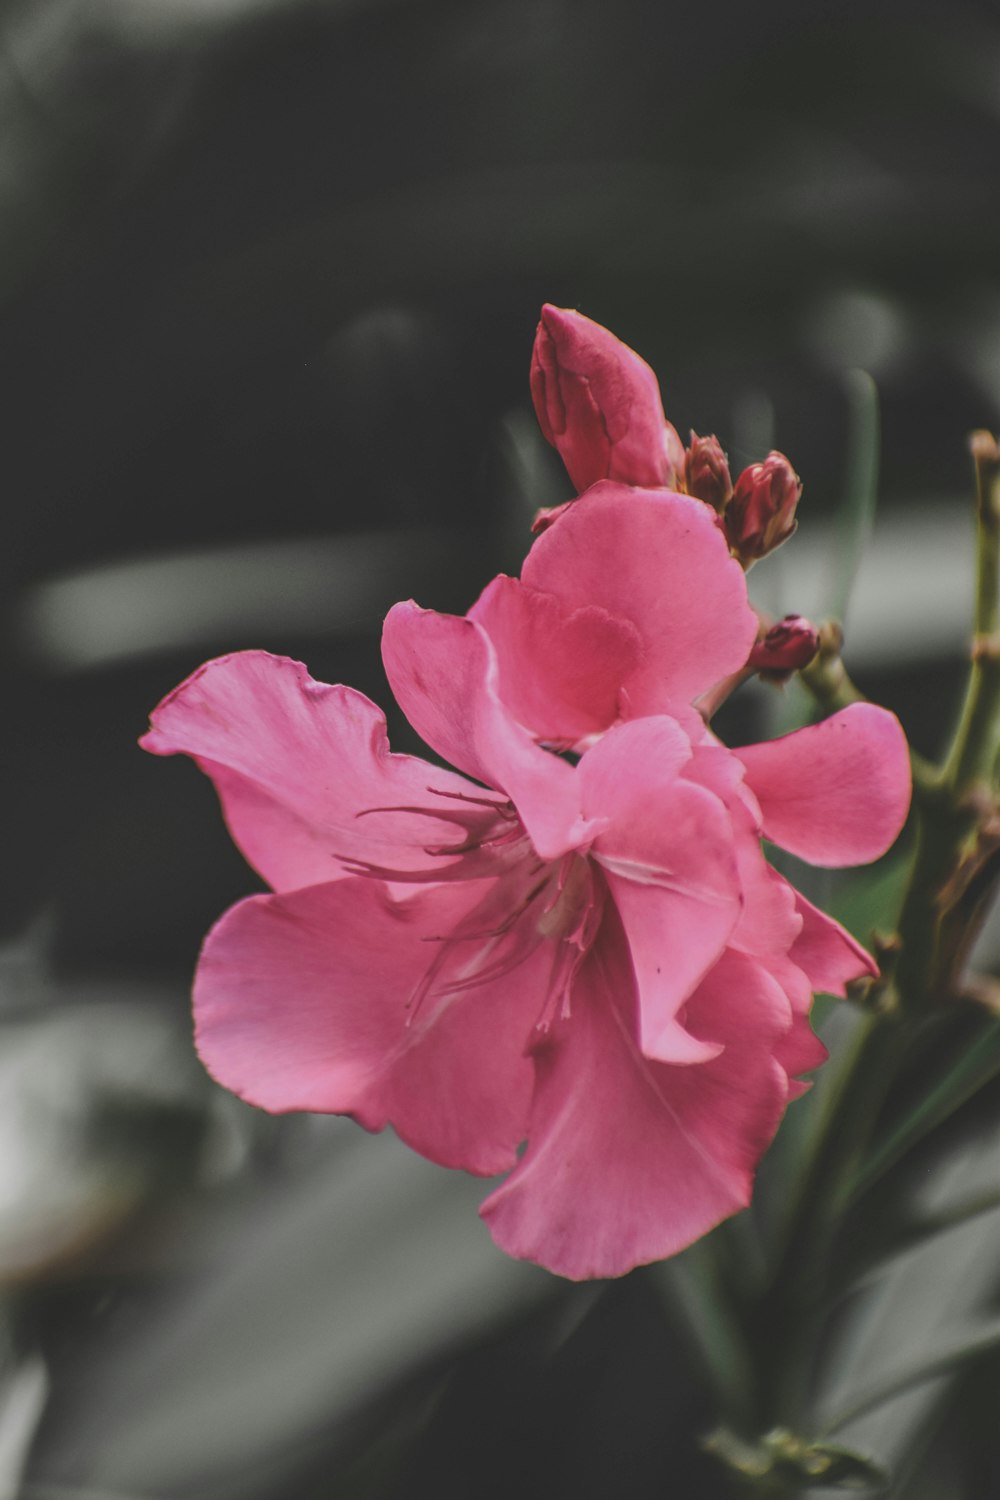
(962, 794)
(953, 804)
(972, 760)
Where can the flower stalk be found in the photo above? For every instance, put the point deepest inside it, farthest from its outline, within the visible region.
(956, 866)
(955, 869)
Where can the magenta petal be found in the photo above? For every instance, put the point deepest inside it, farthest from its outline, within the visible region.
(631, 1160)
(559, 673)
(443, 671)
(668, 857)
(297, 762)
(827, 953)
(599, 404)
(835, 793)
(301, 1003)
(658, 562)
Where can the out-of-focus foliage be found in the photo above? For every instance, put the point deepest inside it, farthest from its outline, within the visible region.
(269, 271)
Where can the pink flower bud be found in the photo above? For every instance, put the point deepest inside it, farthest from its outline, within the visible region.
(761, 514)
(599, 404)
(790, 644)
(706, 471)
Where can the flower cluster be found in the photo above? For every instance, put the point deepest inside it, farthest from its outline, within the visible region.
(576, 943)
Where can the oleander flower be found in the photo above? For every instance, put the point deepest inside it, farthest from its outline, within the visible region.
(587, 954)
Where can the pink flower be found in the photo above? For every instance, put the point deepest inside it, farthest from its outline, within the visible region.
(592, 957)
(599, 404)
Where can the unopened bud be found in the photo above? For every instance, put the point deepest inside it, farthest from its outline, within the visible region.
(706, 472)
(599, 404)
(761, 514)
(790, 644)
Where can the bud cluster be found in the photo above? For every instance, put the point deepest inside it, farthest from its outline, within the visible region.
(598, 403)
(758, 512)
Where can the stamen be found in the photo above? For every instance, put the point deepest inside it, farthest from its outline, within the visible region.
(505, 808)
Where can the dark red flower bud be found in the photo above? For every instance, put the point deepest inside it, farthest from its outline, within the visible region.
(706, 472)
(790, 644)
(761, 514)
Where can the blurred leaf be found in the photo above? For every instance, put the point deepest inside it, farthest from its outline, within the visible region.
(918, 1315)
(24, 1391)
(913, 1231)
(948, 1363)
(857, 510)
(305, 1301)
(972, 1072)
(701, 1292)
(101, 1106)
(868, 900)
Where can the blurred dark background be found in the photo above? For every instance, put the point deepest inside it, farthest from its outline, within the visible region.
(269, 276)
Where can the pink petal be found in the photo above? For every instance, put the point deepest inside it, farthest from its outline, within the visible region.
(669, 860)
(835, 793)
(599, 404)
(659, 563)
(301, 1003)
(296, 762)
(827, 953)
(770, 921)
(799, 1051)
(443, 671)
(559, 673)
(631, 1160)
(739, 1003)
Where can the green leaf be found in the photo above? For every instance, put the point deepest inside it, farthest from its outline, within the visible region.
(699, 1292)
(978, 1066)
(916, 1229)
(948, 1363)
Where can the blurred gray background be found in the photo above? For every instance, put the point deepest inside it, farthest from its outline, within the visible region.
(269, 276)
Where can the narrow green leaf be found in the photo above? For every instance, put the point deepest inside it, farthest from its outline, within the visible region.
(948, 1363)
(918, 1229)
(976, 1068)
(698, 1295)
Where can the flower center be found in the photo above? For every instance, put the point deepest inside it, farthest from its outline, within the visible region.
(566, 913)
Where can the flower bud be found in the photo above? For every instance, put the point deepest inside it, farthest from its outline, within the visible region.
(761, 514)
(706, 471)
(788, 645)
(599, 404)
